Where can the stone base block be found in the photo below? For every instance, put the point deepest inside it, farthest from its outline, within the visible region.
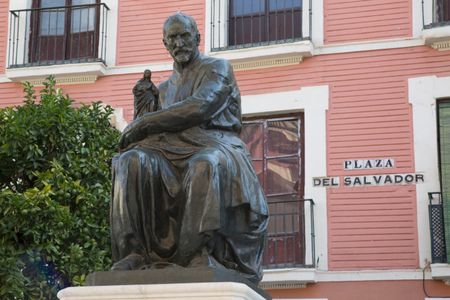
(203, 291)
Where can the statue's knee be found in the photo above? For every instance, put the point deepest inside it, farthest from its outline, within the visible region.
(204, 163)
(210, 163)
(130, 156)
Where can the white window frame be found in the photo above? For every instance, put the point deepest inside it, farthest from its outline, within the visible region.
(423, 94)
(301, 48)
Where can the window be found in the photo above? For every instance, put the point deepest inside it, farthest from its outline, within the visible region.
(276, 147)
(248, 23)
(442, 11)
(57, 31)
(444, 162)
(264, 20)
(435, 13)
(64, 33)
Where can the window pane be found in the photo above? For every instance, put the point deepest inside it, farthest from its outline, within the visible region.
(442, 10)
(283, 138)
(444, 134)
(247, 7)
(252, 135)
(282, 175)
(52, 21)
(284, 214)
(52, 3)
(83, 18)
(258, 165)
(284, 4)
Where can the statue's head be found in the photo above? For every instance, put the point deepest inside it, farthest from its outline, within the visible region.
(181, 37)
(147, 74)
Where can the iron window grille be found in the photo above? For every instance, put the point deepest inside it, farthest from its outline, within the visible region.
(437, 228)
(57, 35)
(238, 24)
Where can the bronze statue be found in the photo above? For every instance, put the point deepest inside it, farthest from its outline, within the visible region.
(145, 95)
(184, 189)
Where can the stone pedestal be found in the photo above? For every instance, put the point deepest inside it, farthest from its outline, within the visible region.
(203, 291)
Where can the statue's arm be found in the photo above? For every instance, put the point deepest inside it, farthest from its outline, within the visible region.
(208, 100)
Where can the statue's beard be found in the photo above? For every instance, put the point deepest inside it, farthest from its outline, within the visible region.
(182, 56)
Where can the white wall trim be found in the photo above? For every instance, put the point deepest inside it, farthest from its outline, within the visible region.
(369, 46)
(417, 22)
(370, 275)
(4, 79)
(111, 39)
(65, 70)
(441, 272)
(290, 275)
(317, 23)
(314, 275)
(422, 93)
(139, 68)
(313, 101)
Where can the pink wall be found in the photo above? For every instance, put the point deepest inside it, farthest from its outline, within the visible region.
(355, 20)
(367, 290)
(140, 28)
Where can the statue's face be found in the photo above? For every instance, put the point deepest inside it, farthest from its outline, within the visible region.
(181, 41)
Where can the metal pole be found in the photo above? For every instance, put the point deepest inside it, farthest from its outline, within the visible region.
(313, 235)
(310, 19)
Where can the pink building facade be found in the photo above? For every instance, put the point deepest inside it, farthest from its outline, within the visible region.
(345, 104)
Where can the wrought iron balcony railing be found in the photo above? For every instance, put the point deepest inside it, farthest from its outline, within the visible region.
(249, 23)
(57, 35)
(288, 243)
(437, 228)
(440, 13)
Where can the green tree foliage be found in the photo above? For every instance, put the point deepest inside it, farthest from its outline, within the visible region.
(54, 193)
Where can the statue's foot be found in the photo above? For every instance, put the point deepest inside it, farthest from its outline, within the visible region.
(130, 262)
(202, 259)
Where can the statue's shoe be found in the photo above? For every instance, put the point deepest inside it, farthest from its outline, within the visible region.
(130, 262)
(202, 259)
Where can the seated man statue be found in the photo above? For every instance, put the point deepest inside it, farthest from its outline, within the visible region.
(184, 189)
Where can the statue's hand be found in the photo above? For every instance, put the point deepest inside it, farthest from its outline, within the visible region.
(126, 137)
(123, 141)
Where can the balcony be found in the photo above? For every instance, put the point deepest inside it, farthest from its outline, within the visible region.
(259, 30)
(436, 23)
(289, 255)
(62, 40)
(437, 228)
(440, 269)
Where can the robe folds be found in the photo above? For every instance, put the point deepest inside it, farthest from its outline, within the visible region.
(185, 182)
